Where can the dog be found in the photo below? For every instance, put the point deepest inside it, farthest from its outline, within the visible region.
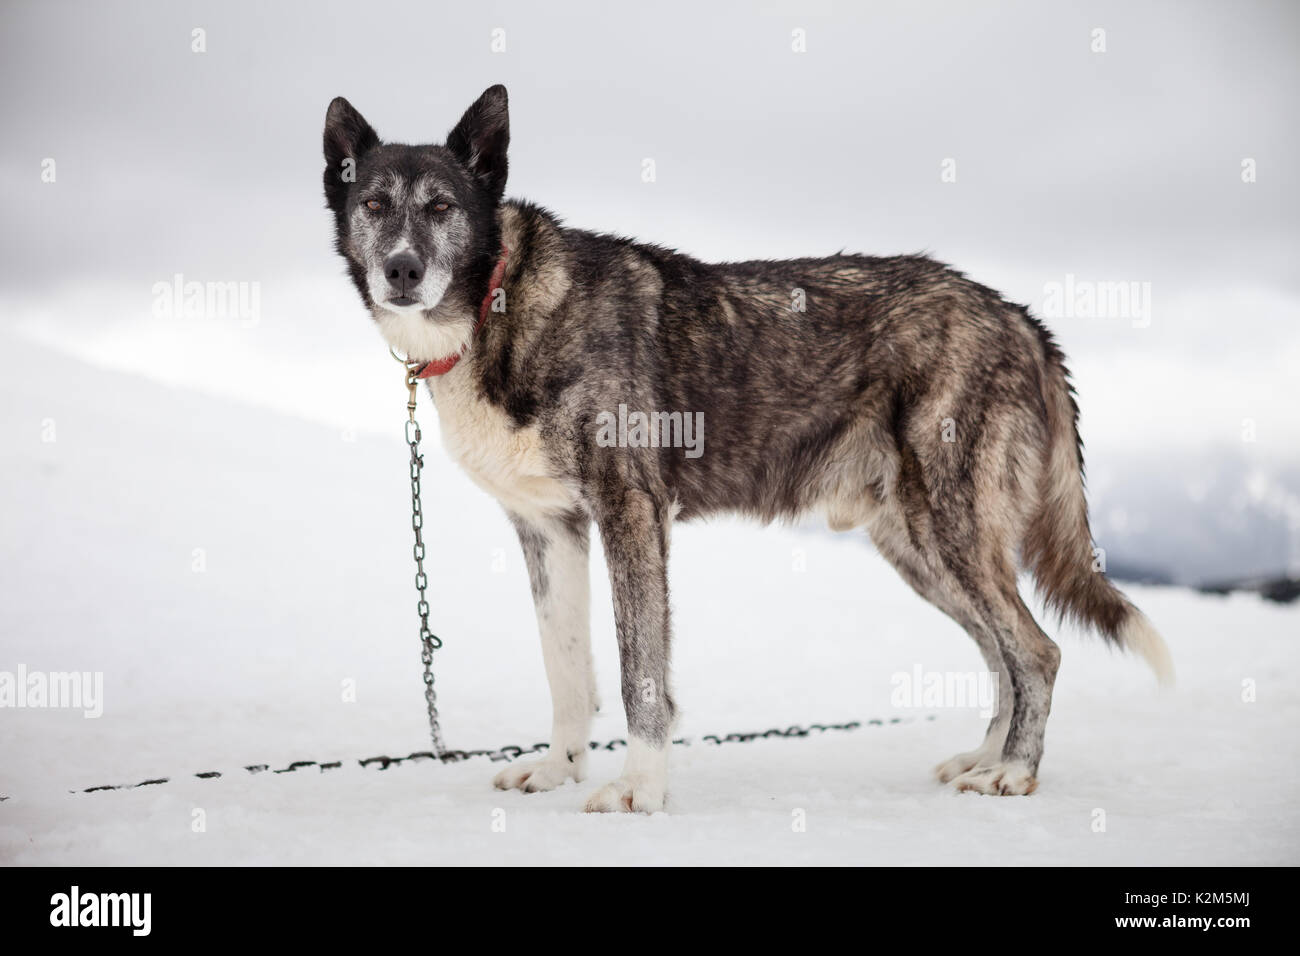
(889, 394)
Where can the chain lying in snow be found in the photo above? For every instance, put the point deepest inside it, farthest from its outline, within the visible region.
(512, 752)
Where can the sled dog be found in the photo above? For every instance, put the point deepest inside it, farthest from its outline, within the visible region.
(889, 394)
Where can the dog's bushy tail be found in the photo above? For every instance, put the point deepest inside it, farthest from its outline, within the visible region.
(1058, 543)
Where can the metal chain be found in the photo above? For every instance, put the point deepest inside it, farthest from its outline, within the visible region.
(512, 752)
(429, 642)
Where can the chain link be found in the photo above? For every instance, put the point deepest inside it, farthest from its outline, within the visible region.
(429, 642)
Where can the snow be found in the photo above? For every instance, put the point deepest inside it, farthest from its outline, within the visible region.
(302, 531)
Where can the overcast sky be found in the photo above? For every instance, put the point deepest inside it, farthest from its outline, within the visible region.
(1126, 161)
(1122, 165)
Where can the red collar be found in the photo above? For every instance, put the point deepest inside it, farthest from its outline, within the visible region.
(444, 365)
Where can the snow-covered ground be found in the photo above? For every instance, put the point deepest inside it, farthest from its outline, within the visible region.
(232, 571)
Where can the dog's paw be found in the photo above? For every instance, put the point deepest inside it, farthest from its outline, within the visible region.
(628, 794)
(1002, 779)
(954, 767)
(536, 776)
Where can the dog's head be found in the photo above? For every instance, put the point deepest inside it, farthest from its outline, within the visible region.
(417, 224)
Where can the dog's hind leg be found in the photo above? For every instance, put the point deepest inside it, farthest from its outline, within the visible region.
(919, 565)
(981, 577)
(974, 522)
(634, 530)
(555, 550)
(990, 750)
(1031, 659)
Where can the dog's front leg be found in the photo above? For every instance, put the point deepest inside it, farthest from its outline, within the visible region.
(555, 550)
(634, 532)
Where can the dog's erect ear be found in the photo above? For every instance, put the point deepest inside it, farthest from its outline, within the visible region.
(482, 138)
(348, 137)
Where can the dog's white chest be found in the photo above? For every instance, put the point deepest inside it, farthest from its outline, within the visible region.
(505, 461)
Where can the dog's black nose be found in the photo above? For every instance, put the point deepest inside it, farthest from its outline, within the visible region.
(404, 272)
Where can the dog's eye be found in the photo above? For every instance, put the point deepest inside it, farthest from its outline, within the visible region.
(374, 205)
(439, 206)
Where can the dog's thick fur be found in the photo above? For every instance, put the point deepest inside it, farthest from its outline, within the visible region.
(903, 398)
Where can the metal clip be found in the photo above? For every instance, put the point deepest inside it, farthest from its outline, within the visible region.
(412, 383)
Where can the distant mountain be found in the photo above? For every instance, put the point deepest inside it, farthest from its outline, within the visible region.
(1283, 590)
(1197, 519)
